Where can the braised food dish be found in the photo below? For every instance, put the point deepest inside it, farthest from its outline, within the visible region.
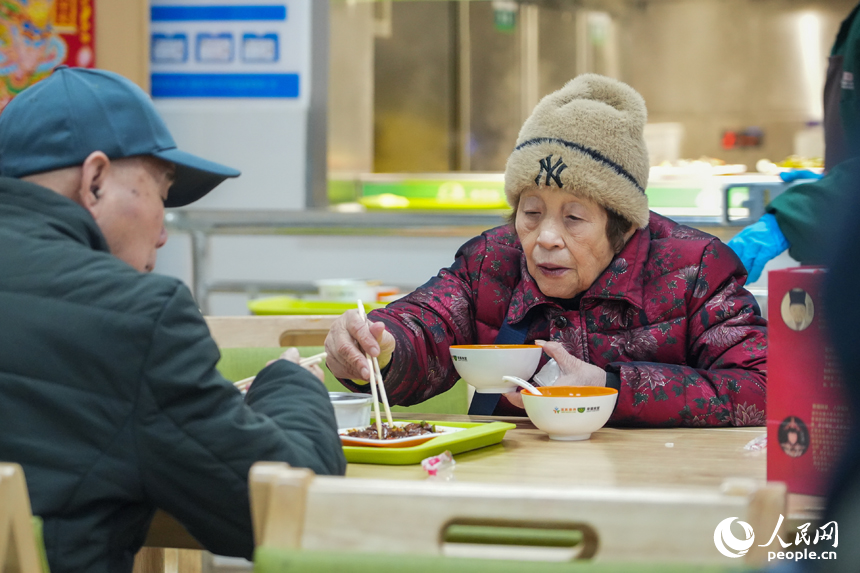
(394, 432)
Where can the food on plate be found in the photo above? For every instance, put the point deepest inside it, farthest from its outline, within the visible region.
(792, 162)
(393, 432)
(798, 162)
(702, 166)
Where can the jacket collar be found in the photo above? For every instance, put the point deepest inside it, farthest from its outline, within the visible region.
(52, 209)
(620, 281)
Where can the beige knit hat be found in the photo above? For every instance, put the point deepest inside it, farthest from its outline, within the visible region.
(586, 138)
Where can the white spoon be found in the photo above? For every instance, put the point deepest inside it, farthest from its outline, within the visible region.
(522, 384)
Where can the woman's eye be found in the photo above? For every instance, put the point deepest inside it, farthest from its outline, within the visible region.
(573, 218)
(531, 213)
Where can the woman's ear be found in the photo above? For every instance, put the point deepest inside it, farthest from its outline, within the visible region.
(629, 233)
(94, 172)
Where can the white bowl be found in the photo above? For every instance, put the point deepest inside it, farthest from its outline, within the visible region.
(484, 365)
(351, 410)
(570, 412)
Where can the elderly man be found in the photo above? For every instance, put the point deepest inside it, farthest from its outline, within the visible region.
(109, 396)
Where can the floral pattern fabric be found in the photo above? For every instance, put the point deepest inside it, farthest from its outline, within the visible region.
(669, 316)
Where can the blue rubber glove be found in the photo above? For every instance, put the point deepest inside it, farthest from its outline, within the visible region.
(757, 244)
(798, 175)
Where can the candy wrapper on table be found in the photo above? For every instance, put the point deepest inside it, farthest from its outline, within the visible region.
(807, 412)
(440, 467)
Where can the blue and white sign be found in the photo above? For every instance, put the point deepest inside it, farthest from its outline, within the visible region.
(229, 49)
(260, 48)
(215, 48)
(169, 49)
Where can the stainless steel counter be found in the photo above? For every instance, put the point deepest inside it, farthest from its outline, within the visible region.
(201, 225)
(330, 222)
(324, 222)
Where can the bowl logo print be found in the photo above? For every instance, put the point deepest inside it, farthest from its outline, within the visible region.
(558, 410)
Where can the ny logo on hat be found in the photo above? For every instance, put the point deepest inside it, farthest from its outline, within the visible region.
(552, 171)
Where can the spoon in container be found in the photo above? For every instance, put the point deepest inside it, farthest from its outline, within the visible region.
(522, 384)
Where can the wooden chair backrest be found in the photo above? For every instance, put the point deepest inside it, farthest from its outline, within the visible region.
(18, 550)
(294, 509)
(269, 331)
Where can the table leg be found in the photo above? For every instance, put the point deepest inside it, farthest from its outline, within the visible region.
(149, 560)
(167, 560)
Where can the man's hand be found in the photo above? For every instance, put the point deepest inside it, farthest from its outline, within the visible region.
(757, 244)
(292, 355)
(347, 341)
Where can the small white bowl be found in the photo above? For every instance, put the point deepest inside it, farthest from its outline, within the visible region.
(351, 410)
(570, 412)
(484, 365)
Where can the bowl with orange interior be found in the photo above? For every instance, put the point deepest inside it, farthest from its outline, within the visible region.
(570, 412)
(484, 366)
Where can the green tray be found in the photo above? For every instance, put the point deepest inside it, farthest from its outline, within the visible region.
(291, 305)
(476, 435)
(435, 193)
(389, 201)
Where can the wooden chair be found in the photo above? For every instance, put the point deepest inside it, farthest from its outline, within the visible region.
(268, 560)
(19, 549)
(269, 331)
(294, 509)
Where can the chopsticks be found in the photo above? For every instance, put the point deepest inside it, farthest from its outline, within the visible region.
(376, 380)
(311, 360)
(308, 361)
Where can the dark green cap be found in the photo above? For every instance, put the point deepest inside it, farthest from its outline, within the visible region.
(73, 112)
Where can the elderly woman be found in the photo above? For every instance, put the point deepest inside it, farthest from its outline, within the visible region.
(625, 297)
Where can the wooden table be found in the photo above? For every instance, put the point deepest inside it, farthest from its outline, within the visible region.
(667, 457)
(625, 457)
(676, 457)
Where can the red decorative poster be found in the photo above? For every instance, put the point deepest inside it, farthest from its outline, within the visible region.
(807, 412)
(36, 36)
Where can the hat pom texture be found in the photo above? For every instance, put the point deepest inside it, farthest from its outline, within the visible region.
(586, 138)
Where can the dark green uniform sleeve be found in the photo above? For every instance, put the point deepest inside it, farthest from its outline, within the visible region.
(197, 437)
(806, 212)
(847, 45)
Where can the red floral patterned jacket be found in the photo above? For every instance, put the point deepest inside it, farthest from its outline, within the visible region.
(669, 316)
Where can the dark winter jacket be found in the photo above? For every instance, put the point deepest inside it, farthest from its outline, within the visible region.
(669, 317)
(110, 400)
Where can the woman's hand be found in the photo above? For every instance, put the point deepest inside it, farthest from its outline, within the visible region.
(347, 341)
(292, 355)
(516, 399)
(574, 372)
